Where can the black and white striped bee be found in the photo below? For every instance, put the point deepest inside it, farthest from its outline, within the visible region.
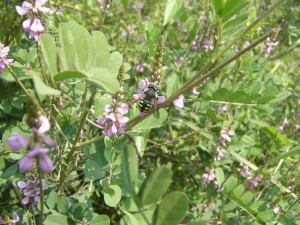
(149, 100)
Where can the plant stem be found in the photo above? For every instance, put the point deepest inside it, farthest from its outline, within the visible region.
(41, 193)
(81, 123)
(17, 81)
(197, 79)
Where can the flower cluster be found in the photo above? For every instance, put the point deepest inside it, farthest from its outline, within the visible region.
(267, 48)
(253, 183)
(244, 170)
(7, 220)
(31, 190)
(32, 24)
(39, 124)
(17, 141)
(114, 121)
(129, 31)
(139, 67)
(210, 176)
(3, 60)
(225, 136)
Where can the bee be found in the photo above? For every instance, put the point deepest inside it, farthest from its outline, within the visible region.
(149, 100)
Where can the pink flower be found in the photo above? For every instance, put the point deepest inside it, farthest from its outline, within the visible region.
(114, 121)
(17, 141)
(208, 176)
(45, 163)
(30, 189)
(195, 92)
(44, 125)
(33, 24)
(139, 67)
(3, 60)
(208, 44)
(179, 102)
(254, 182)
(220, 153)
(38, 7)
(267, 48)
(244, 170)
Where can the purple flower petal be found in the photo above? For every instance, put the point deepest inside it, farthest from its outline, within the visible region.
(143, 84)
(122, 119)
(25, 200)
(25, 164)
(15, 219)
(160, 99)
(21, 184)
(48, 141)
(36, 26)
(45, 163)
(111, 116)
(26, 24)
(101, 121)
(179, 102)
(195, 92)
(107, 108)
(17, 141)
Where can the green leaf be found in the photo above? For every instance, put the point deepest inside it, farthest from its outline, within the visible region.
(242, 159)
(141, 141)
(93, 170)
(10, 172)
(230, 183)
(49, 52)
(221, 94)
(115, 62)
(100, 220)
(258, 206)
(238, 191)
(237, 96)
(281, 96)
(220, 176)
(152, 34)
(101, 56)
(172, 7)
(42, 89)
(67, 50)
(129, 167)
(69, 75)
(172, 209)
(131, 218)
(103, 79)
(217, 6)
(292, 152)
(52, 199)
(63, 204)
(151, 121)
(247, 197)
(155, 185)
(58, 219)
(265, 215)
(231, 8)
(79, 210)
(114, 196)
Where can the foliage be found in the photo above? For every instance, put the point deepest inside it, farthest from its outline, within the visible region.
(229, 156)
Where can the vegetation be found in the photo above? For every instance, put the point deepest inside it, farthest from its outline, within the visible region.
(149, 112)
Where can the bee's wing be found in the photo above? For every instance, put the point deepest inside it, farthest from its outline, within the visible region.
(155, 111)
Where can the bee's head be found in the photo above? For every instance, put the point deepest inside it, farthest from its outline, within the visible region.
(153, 86)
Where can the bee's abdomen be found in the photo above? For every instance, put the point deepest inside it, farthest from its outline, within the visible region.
(145, 105)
